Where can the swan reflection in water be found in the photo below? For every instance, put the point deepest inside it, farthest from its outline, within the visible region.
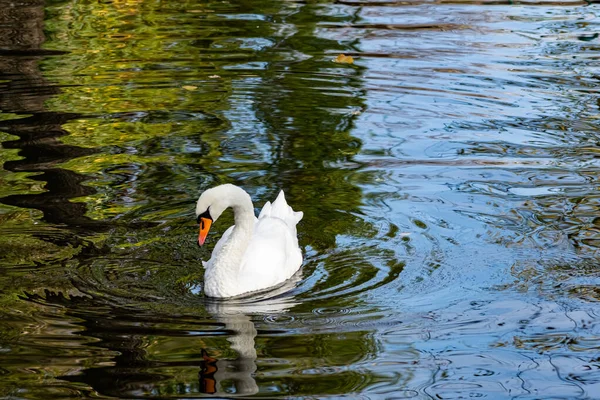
(237, 316)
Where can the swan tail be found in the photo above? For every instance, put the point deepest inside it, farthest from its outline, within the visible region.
(280, 209)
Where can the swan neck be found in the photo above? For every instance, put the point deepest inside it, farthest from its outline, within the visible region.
(231, 254)
(222, 274)
(243, 216)
(243, 210)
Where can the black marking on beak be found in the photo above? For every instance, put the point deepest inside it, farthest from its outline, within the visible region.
(205, 214)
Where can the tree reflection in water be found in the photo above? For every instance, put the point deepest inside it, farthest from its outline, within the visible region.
(121, 161)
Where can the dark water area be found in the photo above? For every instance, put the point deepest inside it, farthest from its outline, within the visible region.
(449, 180)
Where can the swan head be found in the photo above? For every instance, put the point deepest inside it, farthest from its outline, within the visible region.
(214, 201)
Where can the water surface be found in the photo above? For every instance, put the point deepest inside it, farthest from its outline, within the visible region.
(448, 178)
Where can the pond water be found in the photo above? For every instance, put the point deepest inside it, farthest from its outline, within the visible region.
(449, 180)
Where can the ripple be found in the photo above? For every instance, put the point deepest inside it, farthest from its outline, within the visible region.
(331, 311)
(279, 319)
(349, 273)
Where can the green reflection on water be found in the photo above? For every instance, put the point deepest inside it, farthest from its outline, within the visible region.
(154, 93)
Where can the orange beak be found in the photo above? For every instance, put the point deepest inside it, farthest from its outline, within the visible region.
(205, 224)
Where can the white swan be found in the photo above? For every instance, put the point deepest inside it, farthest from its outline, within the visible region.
(253, 254)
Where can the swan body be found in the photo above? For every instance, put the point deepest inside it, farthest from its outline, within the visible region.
(254, 253)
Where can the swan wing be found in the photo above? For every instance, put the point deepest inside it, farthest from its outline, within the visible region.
(273, 255)
(281, 209)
